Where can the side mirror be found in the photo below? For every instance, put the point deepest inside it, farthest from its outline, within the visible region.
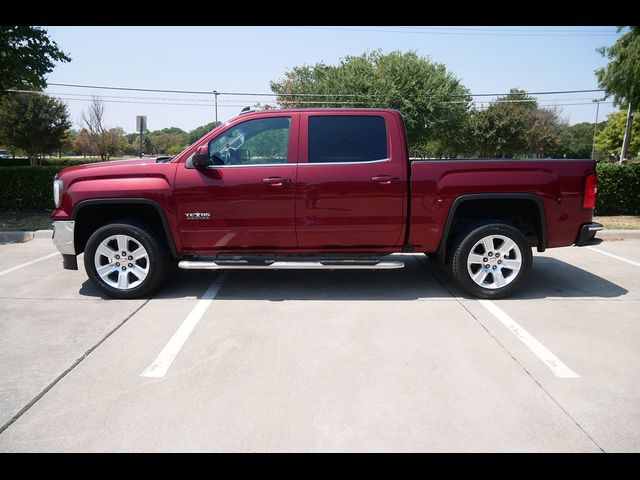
(201, 158)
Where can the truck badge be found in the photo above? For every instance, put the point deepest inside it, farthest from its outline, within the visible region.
(197, 215)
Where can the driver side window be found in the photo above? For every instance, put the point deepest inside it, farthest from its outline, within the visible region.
(254, 142)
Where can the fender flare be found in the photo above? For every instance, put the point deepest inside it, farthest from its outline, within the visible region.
(542, 244)
(119, 201)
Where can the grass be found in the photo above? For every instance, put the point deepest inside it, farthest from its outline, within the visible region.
(26, 220)
(30, 220)
(620, 222)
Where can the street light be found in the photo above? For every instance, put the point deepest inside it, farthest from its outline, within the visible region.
(595, 127)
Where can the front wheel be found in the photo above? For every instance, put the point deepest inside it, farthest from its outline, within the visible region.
(126, 260)
(492, 261)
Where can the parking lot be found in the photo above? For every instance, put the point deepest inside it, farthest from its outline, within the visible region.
(397, 360)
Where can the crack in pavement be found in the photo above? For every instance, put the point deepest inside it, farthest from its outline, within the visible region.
(77, 362)
(443, 284)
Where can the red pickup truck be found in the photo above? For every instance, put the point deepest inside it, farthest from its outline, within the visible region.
(317, 188)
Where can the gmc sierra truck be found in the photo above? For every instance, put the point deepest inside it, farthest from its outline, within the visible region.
(317, 189)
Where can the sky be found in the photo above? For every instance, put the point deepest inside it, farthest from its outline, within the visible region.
(245, 59)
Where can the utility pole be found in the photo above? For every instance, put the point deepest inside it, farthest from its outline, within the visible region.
(215, 93)
(595, 128)
(627, 135)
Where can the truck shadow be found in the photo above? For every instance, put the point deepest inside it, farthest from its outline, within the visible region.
(420, 280)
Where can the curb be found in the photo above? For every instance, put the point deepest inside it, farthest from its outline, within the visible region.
(618, 234)
(22, 237)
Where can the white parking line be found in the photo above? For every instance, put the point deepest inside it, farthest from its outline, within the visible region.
(558, 368)
(163, 361)
(625, 260)
(28, 263)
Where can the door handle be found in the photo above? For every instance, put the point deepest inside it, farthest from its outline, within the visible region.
(384, 179)
(275, 181)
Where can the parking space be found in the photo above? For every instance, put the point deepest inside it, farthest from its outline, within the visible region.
(397, 360)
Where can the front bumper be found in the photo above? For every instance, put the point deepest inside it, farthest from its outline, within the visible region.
(587, 234)
(63, 239)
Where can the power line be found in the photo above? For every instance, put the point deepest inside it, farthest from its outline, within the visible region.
(314, 94)
(432, 32)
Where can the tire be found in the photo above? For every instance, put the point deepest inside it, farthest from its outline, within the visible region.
(134, 277)
(498, 246)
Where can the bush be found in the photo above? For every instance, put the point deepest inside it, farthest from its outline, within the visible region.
(26, 188)
(58, 162)
(618, 189)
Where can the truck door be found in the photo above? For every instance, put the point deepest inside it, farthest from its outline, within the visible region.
(245, 199)
(351, 181)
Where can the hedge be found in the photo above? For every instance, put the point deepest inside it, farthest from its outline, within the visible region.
(24, 188)
(53, 162)
(618, 189)
(27, 188)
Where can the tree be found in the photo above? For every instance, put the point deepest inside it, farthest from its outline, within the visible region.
(104, 141)
(33, 123)
(26, 56)
(504, 128)
(83, 143)
(621, 76)
(433, 102)
(609, 139)
(576, 141)
(201, 131)
(545, 134)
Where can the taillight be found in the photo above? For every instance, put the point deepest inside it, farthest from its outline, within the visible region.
(590, 190)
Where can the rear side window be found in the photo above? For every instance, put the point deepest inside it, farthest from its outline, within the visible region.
(346, 138)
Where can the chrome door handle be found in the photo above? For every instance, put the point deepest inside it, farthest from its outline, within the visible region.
(275, 181)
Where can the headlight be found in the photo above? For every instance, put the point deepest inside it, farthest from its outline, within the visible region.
(57, 192)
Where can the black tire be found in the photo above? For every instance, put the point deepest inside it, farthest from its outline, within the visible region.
(462, 248)
(159, 258)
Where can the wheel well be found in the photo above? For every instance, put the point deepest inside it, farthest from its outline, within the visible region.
(523, 214)
(91, 217)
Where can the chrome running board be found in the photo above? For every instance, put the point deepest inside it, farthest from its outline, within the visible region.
(284, 265)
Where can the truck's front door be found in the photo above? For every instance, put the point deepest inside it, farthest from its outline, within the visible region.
(245, 199)
(351, 181)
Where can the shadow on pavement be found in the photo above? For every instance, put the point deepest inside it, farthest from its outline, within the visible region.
(549, 278)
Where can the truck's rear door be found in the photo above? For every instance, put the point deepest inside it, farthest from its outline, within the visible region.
(351, 181)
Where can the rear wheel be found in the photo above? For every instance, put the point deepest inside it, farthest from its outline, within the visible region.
(491, 261)
(126, 260)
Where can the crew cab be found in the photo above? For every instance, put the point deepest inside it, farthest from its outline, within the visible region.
(317, 189)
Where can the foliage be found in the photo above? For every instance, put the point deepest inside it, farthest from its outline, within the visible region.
(504, 128)
(609, 139)
(26, 56)
(198, 133)
(26, 188)
(33, 123)
(433, 102)
(576, 141)
(618, 187)
(621, 76)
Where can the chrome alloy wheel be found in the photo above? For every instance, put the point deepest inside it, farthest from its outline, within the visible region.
(494, 261)
(121, 262)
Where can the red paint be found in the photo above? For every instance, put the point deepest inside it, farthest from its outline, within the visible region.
(302, 207)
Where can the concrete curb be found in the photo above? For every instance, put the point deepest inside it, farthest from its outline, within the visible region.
(618, 234)
(22, 237)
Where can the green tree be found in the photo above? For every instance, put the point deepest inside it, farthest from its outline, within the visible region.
(26, 56)
(621, 76)
(433, 102)
(33, 123)
(198, 133)
(504, 128)
(609, 139)
(545, 135)
(576, 141)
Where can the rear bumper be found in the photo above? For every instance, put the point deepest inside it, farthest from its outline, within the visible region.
(587, 233)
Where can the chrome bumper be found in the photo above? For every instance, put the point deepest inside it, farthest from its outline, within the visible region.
(63, 236)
